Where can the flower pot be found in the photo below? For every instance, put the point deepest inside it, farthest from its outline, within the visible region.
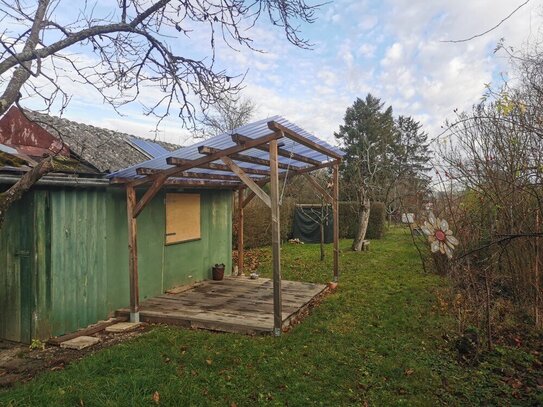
(218, 272)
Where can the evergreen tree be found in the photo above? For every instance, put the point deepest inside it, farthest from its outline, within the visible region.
(367, 138)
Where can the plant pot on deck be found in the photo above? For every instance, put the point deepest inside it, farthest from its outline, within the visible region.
(218, 272)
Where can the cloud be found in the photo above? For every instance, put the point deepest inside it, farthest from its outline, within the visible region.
(393, 49)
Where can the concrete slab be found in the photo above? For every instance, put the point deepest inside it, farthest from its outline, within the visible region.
(123, 327)
(81, 342)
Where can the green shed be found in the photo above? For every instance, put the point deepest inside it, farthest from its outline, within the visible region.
(64, 255)
(64, 245)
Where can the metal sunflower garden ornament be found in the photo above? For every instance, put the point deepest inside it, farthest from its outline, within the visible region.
(439, 235)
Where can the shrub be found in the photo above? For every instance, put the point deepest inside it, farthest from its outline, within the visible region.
(376, 223)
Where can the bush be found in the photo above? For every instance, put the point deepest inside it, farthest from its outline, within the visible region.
(348, 220)
(376, 223)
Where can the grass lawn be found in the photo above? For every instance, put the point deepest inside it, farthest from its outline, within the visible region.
(377, 341)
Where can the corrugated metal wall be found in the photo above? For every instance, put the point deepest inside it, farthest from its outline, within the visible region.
(77, 263)
(15, 254)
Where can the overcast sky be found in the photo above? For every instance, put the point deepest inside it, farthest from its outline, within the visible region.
(393, 49)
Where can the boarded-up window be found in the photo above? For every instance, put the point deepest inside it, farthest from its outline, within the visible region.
(182, 217)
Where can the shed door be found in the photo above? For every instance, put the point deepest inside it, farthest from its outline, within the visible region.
(15, 272)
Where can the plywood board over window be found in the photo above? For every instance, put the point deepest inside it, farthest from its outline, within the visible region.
(182, 218)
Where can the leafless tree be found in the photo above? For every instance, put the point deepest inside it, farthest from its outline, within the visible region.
(491, 176)
(130, 50)
(226, 115)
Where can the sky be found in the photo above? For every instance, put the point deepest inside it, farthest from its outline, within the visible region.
(394, 49)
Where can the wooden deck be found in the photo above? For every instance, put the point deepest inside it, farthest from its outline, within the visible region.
(235, 304)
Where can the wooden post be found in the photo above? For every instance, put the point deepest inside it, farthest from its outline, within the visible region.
(276, 240)
(335, 208)
(241, 251)
(132, 253)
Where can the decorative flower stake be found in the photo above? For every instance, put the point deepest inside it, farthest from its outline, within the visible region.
(439, 235)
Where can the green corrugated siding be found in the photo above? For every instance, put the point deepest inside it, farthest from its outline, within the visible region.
(78, 267)
(15, 252)
(78, 258)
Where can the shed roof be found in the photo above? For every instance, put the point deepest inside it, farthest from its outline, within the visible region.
(105, 149)
(223, 141)
(101, 150)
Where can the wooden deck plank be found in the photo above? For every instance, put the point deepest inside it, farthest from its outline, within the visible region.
(235, 304)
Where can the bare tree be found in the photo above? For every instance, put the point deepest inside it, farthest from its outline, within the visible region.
(225, 116)
(127, 51)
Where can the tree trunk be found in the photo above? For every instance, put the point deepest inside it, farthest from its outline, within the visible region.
(17, 190)
(363, 219)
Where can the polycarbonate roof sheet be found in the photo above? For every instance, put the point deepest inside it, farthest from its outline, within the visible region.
(223, 141)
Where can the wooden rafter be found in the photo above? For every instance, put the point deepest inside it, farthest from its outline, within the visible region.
(214, 166)
(239, 139)
(277, 127)
(246, 158)
(209, 158)
(187, 174)
(247, 180)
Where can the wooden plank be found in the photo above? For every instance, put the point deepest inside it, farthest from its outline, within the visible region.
(235, 304)
(132, 253)
(241, 248)
(246, 158)
(276, 240)
(189, 174)
(149, 194)
(318, 187)
(90, 330)
(237, 138)
(263, 181)
(248, 199)
(247, 180)
(302, 140)
(335, 209)
(214, 166)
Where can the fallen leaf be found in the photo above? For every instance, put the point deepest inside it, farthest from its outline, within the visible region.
(156, 397)
(409, 372)
(516, 384)
(209, 362)
(233, 404)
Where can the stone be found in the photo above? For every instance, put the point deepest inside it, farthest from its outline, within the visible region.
(81, 342)
(123, 327)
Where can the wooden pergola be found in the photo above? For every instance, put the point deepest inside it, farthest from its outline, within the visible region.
(229, 171)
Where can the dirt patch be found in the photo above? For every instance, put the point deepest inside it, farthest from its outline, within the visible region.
(19, 363)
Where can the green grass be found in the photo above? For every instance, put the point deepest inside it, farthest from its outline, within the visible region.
(378, 339)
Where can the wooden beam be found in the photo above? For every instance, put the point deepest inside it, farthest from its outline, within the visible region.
(247, 180)
(318, 187)
(186, 174)
(276, 241)
(246, 158)
(248, 199)
(201, 183)
(335, 209)
(209, 158)
(132, 253)
(214, 166)
(239, 139)
(149, 194)
(241, 248)
(277, 127)
(263, 181)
